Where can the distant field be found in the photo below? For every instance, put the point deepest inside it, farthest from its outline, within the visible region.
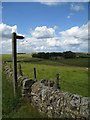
(19, 57)
(82, 62)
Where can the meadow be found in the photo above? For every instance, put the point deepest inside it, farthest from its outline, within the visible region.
(73, 72)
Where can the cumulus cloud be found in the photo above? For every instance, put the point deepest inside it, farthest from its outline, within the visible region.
(6, 37)
(46, 39)
(54, 42)
(76, 38)
(6, 30)
(43, 32)
(77, 7)
(79, 33)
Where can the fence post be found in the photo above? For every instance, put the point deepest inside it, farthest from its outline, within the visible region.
(57, 81)
(20, 69)
(35, 73)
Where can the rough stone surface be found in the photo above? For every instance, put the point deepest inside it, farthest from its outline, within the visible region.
(59, 104)
(26, 90)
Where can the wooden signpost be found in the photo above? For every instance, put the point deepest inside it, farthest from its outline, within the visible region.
(14, 60)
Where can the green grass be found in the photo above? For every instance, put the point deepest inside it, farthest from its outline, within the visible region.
(82, 62)
(15, 107)
(73, 79)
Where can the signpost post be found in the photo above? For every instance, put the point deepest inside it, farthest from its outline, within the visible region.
(14, 60)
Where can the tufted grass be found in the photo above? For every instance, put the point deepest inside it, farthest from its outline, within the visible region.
(15, 107)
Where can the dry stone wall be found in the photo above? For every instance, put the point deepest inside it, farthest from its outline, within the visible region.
(59, 104)
(52, 101)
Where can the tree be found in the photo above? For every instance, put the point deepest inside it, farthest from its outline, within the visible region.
(69, 54)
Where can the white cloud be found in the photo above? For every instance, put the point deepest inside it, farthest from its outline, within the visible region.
(70, 15)
(76, 38)
(43, 32)
(54, 42)
(6, 30)
(45, 39)
(76, 32)
(48, 2)
(6, 36)
(77, 7)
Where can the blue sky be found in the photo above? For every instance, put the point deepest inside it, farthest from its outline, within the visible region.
(49, 24)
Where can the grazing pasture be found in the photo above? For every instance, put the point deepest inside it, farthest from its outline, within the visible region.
(82, 62)
(73, 72)
(72, 79)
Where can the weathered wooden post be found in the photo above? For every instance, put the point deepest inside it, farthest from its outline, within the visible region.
(57, 81)
(35, 73)
(20, 69)
(14, 59)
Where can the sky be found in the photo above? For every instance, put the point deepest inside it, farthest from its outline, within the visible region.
(46, 26)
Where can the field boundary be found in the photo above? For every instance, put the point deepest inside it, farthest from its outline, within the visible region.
(50, 100)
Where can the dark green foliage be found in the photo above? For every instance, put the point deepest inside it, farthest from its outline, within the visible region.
(69, 54)
(47, 55)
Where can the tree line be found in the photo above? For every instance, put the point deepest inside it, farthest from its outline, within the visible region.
(49, 55)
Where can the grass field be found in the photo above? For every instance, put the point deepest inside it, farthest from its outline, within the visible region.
(73, 78)
(82, 62)
(15, 107)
